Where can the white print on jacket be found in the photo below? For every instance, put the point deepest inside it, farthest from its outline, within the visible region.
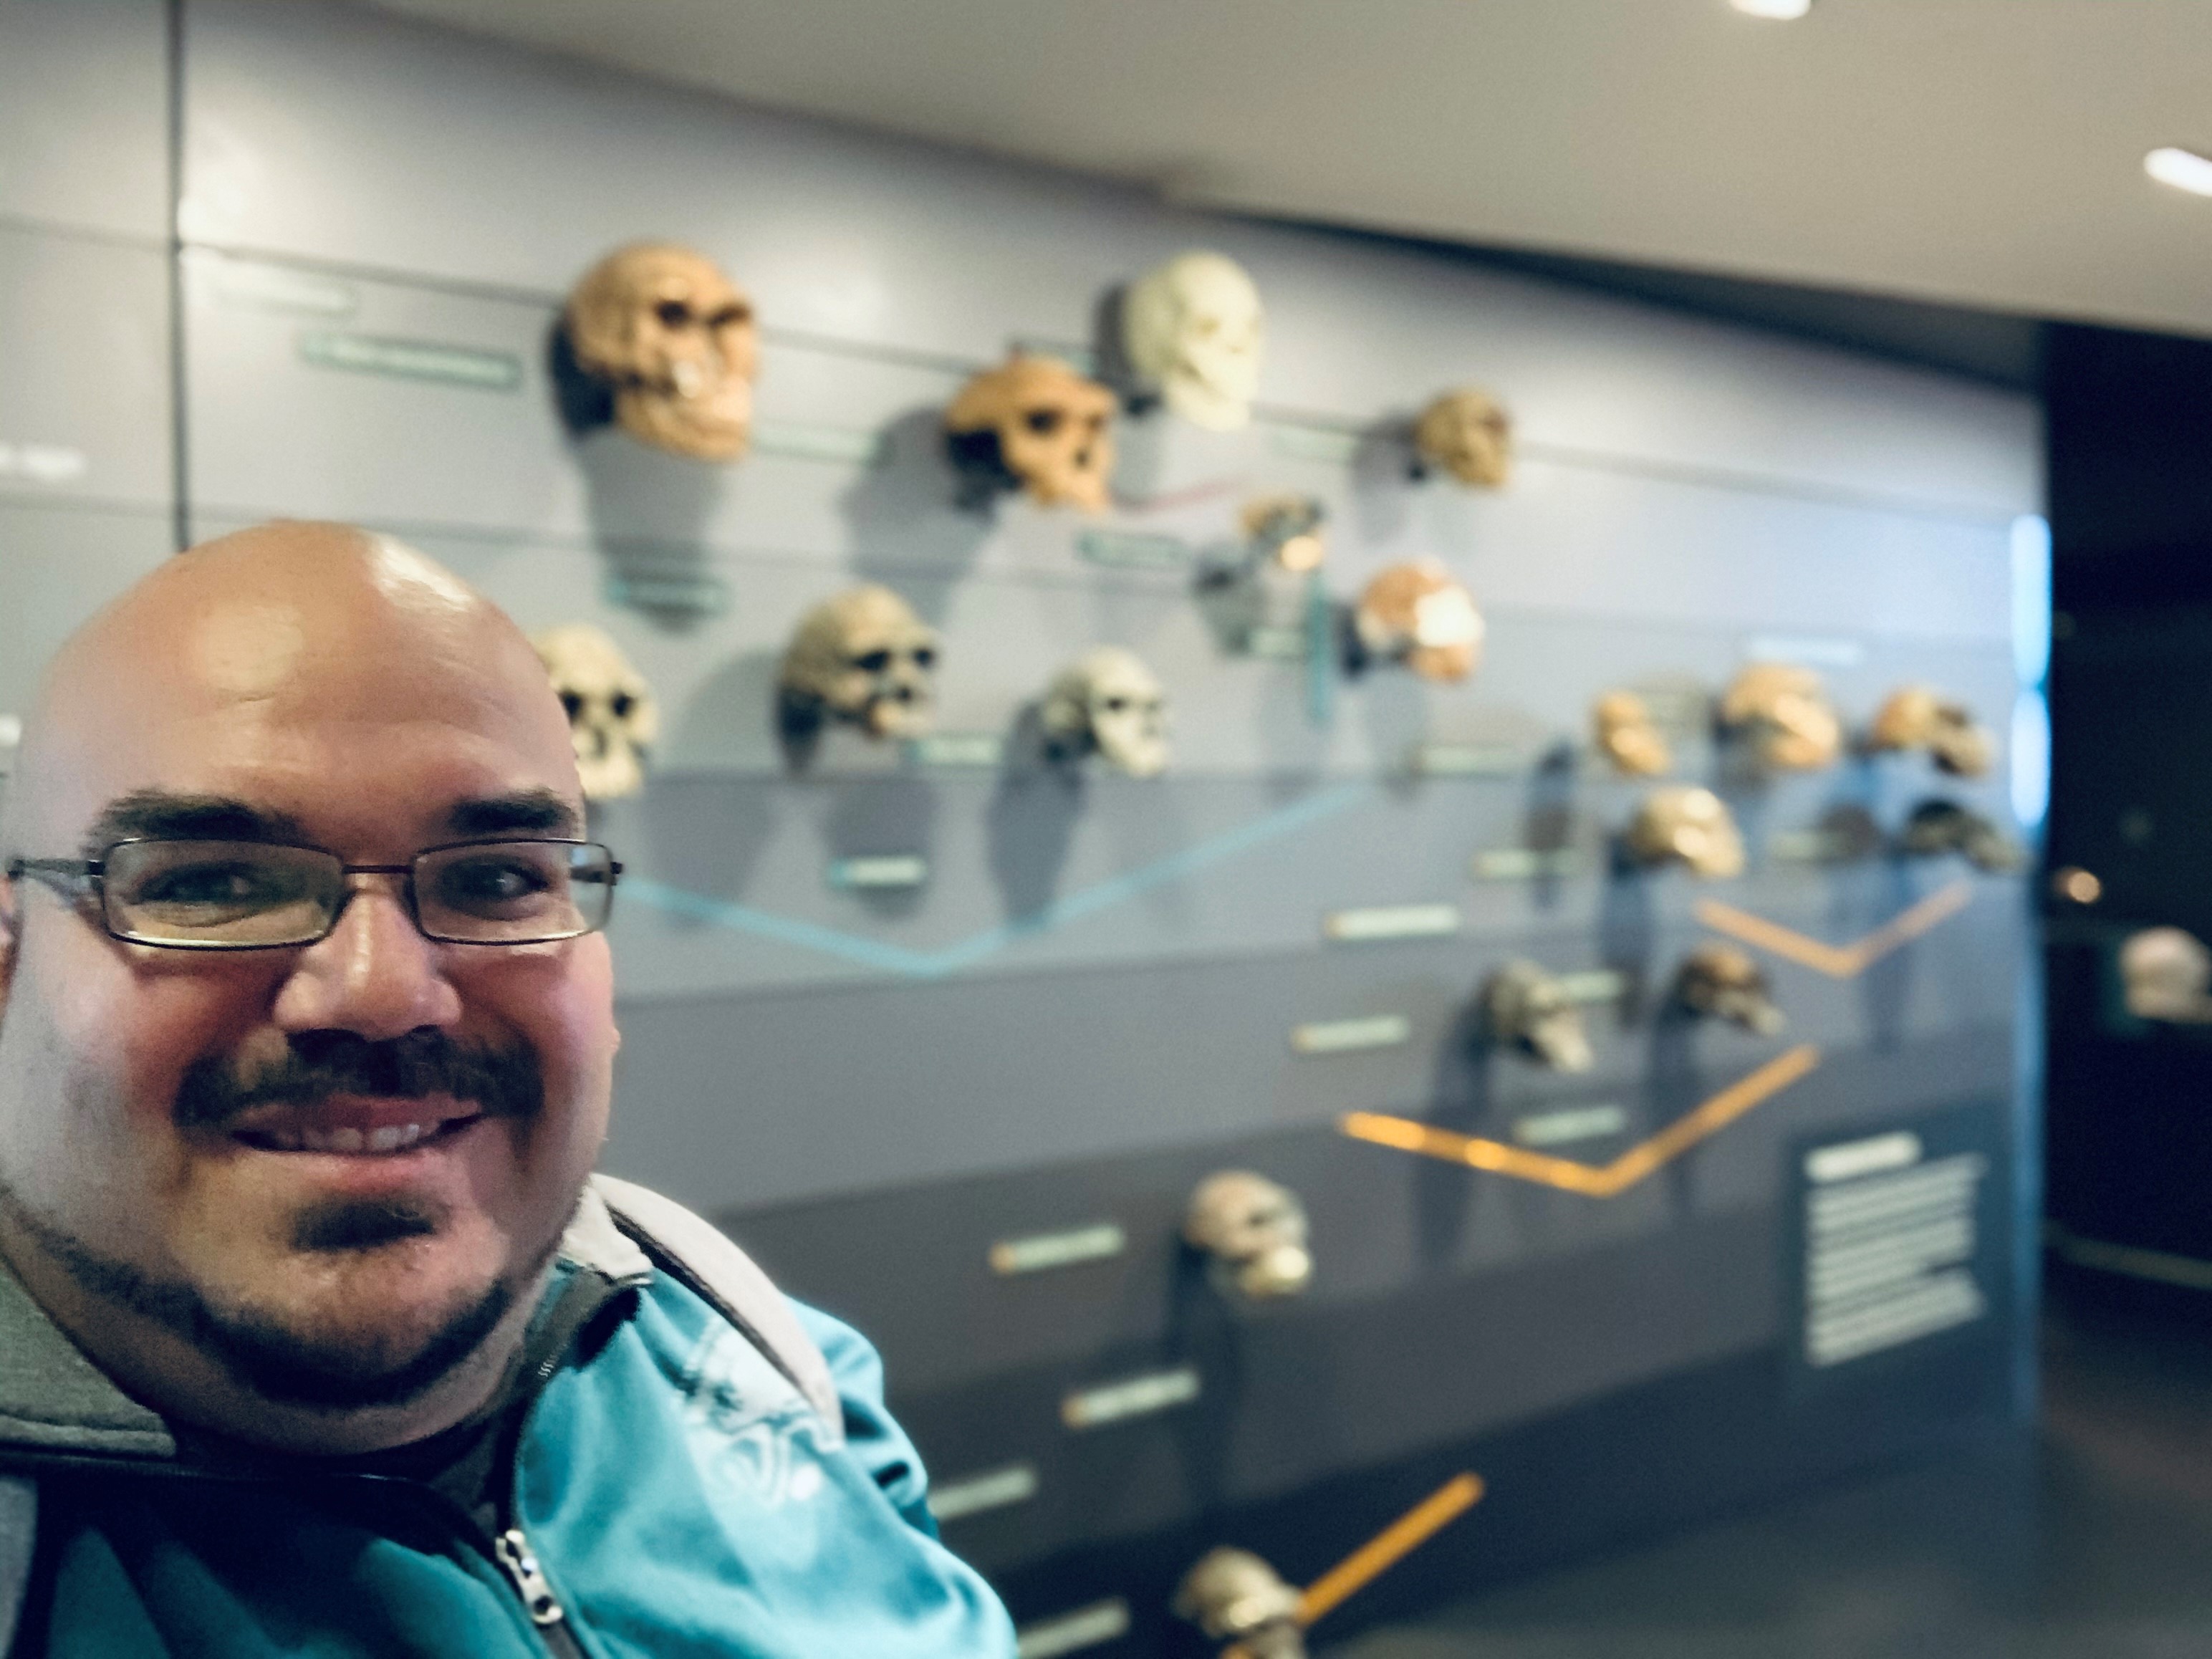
(742, 1413)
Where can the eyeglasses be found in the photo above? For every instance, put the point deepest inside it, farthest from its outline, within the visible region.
(258, 895)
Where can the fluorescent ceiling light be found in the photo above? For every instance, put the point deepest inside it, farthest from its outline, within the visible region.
(2184, 169)
(1781, 10)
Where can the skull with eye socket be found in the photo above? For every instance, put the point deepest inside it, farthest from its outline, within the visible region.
(612, 717)
(1468, 434)
(1236, 1597)
(1109, 702)
(1529, 1010)
(1254, 1229)
(861, 657)
(674, 341)
(1032, 423)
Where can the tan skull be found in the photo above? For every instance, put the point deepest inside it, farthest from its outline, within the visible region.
(676, 341)
(1033, 423)
(1782, 712)
(1628, 736)
(1194, 329)
(1255, 1229)
(1418, 614)
(1234, 1597)
(612, 717)
(1108, 701)
(1526, 1008)
(1468, 433)
(1915, 717)
(864, 657)
(2166, 974)
(1721, 983)
(1682, 822)
(1287, 528)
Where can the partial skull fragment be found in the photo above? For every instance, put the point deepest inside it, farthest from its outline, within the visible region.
(674, 342)
(1719, 981)
(1937, 827)
(1107, 702)
(1915, 717)
(1525, 1008)
(1420, 614)
(1628, 735)
(1685, 823)
(861, 657)
(613, 719)
(1782, 714)
(1032, 423)
(1236, 1598)
(1255, 1231)
(1286, 530)
(2166, 974)
(1468, 433)
(1193, 330)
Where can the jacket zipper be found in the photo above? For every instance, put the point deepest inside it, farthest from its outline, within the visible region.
(512, 1550)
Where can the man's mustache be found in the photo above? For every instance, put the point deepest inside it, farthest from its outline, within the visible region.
(502, 1082)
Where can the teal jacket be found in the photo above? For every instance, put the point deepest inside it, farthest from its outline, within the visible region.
(687, 1470)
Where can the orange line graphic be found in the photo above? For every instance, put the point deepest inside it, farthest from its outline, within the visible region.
(1389, 1546)
(1837, 961)
(1594, 1180)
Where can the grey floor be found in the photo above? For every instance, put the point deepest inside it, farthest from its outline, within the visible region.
(2090, 1540)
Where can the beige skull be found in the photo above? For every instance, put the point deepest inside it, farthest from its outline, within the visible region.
(1721, 983)
(1194, 329)
(1036, 424)
(676, 341)
(1255, 1232)
(1287, 528)
(1234, 1597)
(1628, 736)
(1526, 1008)
(2166, 974)
(1468, 434)
(1418, 614)
(1915, 717)
(1682, 822)
(864, 657)
(1108, 701)
(1783, 713)
(612, 717)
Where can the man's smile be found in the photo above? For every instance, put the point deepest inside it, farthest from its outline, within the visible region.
(358, 1126)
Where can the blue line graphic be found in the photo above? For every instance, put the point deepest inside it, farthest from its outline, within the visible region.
(966, 953)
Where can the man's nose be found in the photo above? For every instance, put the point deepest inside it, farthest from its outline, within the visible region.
(374, 975)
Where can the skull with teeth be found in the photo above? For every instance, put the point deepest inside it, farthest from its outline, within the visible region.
(2166, 974)
(1783, 713)
(1684, 823)
(1721, 983)
(1255, 1229)
(1233, 1597)
(1529, 1009)
(1194, 329)
(675, 341)
(1468, 434)
(1915, 717)
(865, 658)
(1108, 700)
(612, 717)
(1628, 736)
(1033, 423)
(1418, 614)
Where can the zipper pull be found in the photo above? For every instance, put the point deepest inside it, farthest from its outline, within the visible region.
(515, 1554)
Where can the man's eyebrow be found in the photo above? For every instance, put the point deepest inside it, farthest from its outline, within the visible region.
(161, 814)
(527, 813)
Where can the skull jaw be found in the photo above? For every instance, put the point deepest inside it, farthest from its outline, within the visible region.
(1217, 397)
(1560, 1042)
(611, 775)
(1057, 485)
(1967, 753)
(1278, 1639)
(886, 717)
(1443, 664)
(1279, 1270)
(1709, 852)
(1637, 751)
(1483, 466)
(1139, 755)
(1748, 1009)
(716, 425)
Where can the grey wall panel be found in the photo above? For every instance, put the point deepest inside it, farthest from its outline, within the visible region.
(84, 115)
(339, 135)
(84, 402)
(58, 566)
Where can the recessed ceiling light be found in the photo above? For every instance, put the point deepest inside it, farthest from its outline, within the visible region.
(1780, 10)
(2184, 169)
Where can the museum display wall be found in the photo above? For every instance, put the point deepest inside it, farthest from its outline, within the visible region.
(1446, 946)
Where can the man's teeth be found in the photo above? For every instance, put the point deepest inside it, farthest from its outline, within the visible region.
(391, 1137)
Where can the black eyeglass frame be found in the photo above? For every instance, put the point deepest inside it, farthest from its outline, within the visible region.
(64, 874)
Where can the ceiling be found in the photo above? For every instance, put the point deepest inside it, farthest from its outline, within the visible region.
(1986, 154)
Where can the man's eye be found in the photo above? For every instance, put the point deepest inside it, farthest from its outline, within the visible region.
(474, 884)
(225, 886)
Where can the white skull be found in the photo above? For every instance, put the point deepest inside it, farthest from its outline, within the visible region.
(864, 657)
(1194, 328)
(1108, 700)
(1529, 1009)
(1418, 614)
(1682, 821)
(1255, 1229)
(1721, 983)
(2166, 974)
(612, 717)
(1233, 1596)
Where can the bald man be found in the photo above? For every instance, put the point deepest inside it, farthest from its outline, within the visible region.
(317, 1333)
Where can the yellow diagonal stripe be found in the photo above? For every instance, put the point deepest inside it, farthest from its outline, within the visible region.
(1389, 1546)
(1838, 962)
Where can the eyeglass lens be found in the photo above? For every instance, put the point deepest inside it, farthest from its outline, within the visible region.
(240, 894)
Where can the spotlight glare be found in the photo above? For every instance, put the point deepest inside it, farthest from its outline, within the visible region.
(2184, 169)
(1781, 11)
